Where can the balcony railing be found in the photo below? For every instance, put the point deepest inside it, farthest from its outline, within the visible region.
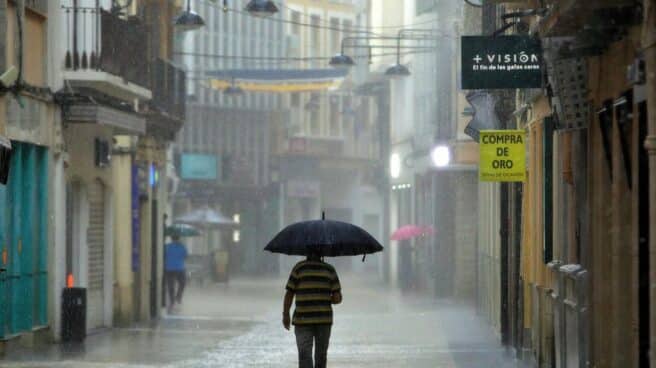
(168, 85)
(97, 40)
(568, 17)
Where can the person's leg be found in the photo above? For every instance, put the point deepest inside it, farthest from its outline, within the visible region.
(322, 339)
(304, 339)
(182, 280)
(170, 287)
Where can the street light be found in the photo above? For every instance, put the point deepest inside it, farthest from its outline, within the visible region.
(395, 166)
(398, 70)
(188, 20)
(475, 3)
(261, 8)
(441, 156)
(341, 61)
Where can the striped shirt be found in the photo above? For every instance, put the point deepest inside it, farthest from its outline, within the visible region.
(313, 284)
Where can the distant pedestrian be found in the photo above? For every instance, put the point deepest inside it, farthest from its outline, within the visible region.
(175, 254)
(315, 285)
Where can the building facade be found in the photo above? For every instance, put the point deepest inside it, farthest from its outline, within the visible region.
(230, 134)
(328, 152)
(29, 121)
(424, 115)
(84, 96)
(574, 239)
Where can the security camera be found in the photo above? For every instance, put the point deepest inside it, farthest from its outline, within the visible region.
(9, 77)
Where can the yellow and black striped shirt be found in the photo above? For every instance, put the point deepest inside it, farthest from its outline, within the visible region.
(313, 284)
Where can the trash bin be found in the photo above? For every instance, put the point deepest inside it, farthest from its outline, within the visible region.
(74, 314)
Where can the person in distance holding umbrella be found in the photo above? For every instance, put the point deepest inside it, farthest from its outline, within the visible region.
(175, 254)
(315, 286)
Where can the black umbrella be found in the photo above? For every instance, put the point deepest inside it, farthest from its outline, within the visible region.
(325, 237)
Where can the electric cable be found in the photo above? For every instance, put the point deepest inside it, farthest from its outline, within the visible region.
(293, 59)
(360, 30)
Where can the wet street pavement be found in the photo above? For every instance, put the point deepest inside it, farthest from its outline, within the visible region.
(238, 325)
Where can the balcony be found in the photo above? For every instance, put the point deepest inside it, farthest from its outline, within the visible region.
(315, 146)
(567, 17)
(332, 148)
(168, 86)
(166, 112)
(106, 53)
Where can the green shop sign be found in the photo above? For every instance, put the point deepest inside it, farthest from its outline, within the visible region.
(501, 62)
(199, 167)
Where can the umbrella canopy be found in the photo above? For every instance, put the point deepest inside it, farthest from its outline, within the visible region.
(429, 230)
(408, 232)
(327, 238)
(206, 218)
(181, 230)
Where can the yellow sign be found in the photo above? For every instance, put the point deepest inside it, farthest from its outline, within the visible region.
(503, 155)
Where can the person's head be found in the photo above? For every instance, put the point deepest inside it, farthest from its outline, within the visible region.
(175, 237)
(314, 256)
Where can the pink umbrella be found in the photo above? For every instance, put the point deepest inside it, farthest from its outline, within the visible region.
(429, 230)
(408, 232)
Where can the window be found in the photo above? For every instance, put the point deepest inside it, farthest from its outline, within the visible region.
(335, 39)
(424, 6)
(316, 34)
(296, 19)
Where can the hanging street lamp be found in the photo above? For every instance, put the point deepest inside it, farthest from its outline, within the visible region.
(398, 70)
(341, 61)
(188, 20)
(261, 8)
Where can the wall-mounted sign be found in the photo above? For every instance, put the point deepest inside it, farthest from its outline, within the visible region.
(502, 62)
(503, 155)
(198, 166)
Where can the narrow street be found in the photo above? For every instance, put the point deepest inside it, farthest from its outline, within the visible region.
(238, 326)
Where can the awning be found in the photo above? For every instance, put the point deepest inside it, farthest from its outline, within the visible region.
(103, 115)
(278, 80)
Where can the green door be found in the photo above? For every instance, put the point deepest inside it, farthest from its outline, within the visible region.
(23, 237)
(3, 262)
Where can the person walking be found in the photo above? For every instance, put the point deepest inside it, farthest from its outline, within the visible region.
(316, 287)
(175, 254)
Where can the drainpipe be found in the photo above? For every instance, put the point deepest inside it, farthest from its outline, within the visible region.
(649, 45)
(20, 18)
